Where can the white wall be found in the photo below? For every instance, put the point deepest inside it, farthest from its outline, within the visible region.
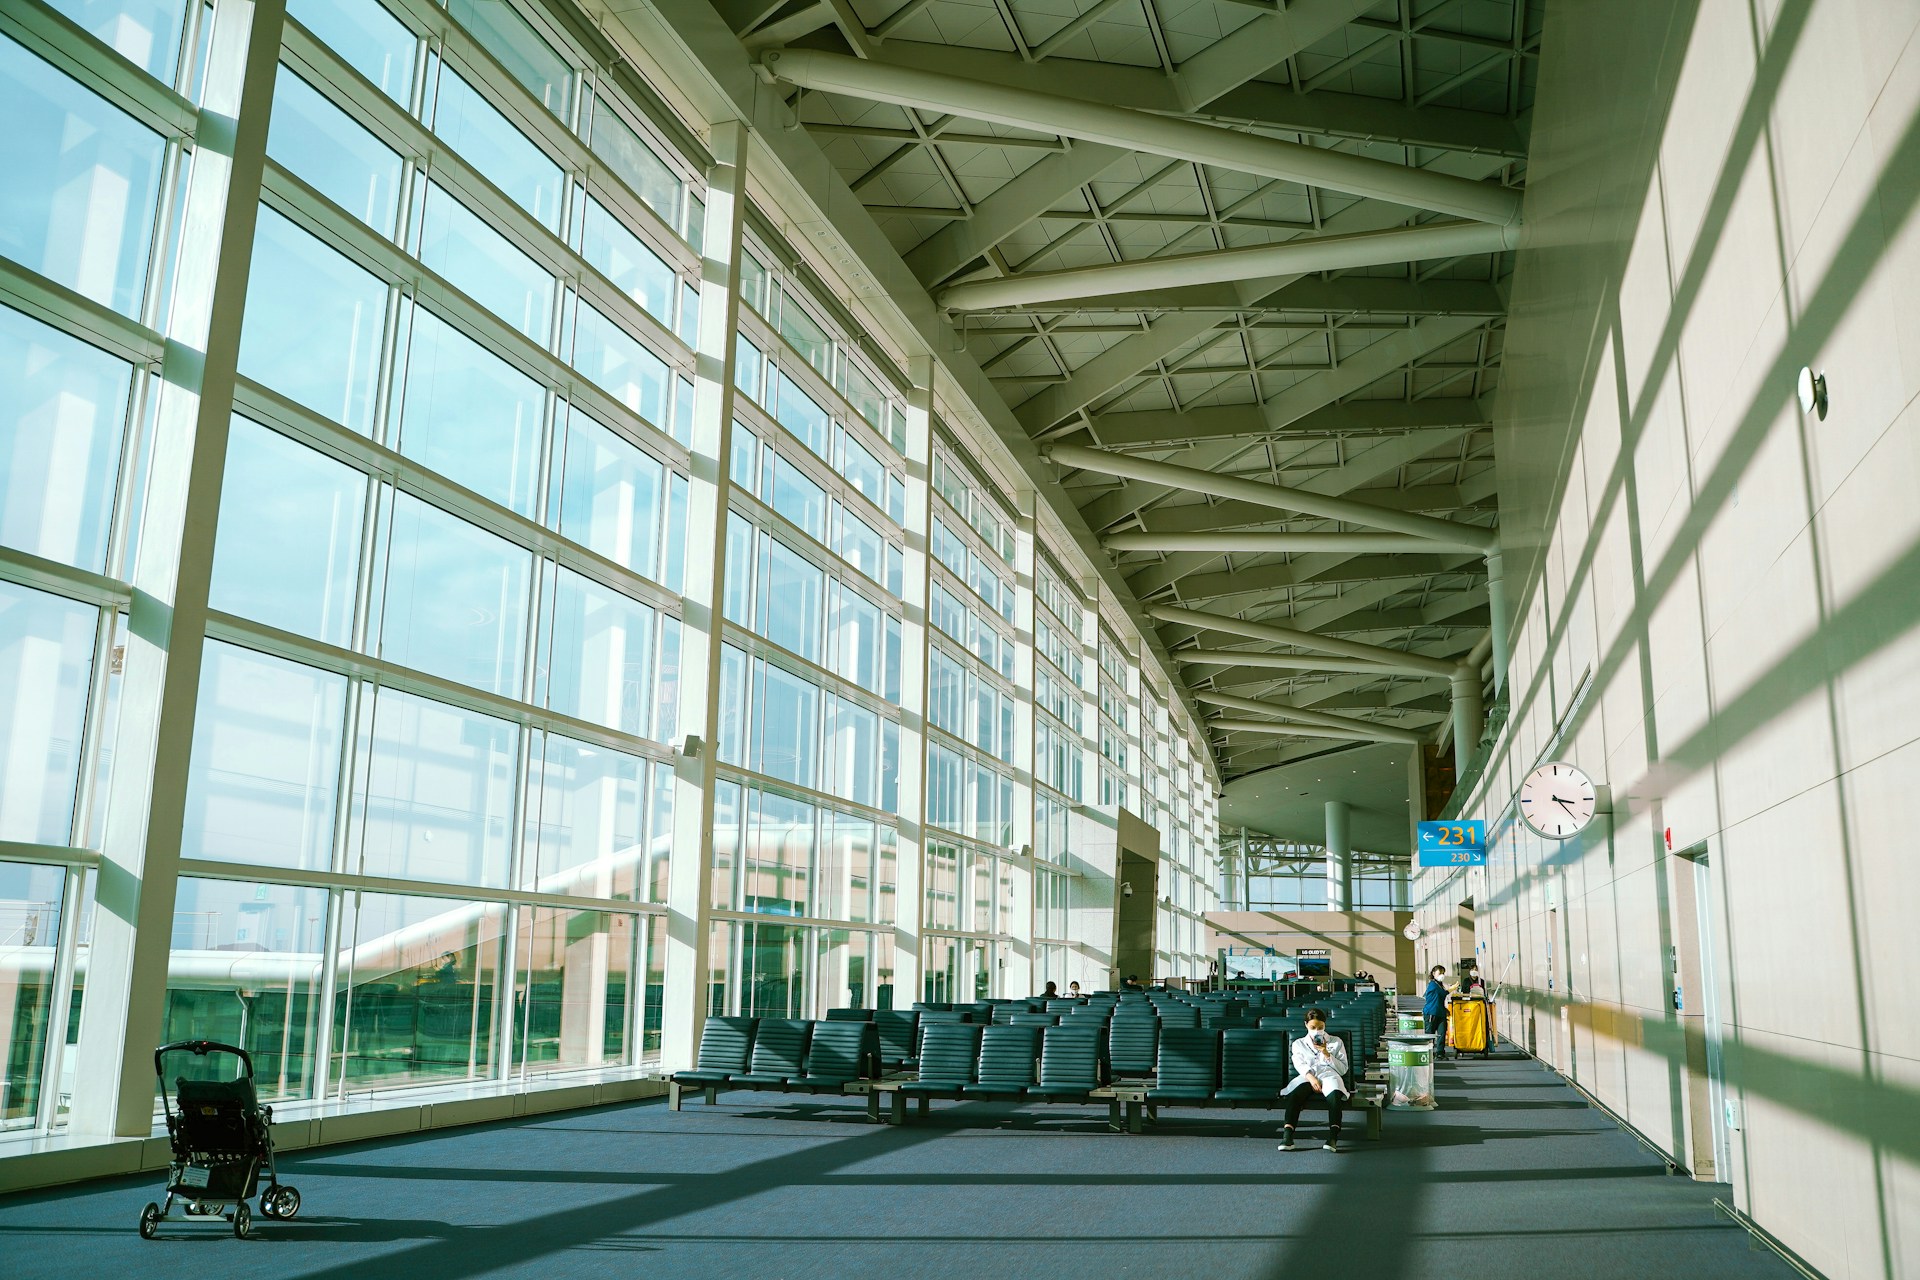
(1720, 192)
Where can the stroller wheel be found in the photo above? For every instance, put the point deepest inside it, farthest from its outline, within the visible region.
(280, 1202)
(242, 1220)
(149, 1221)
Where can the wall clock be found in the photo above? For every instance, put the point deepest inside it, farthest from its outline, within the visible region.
(1557, 800)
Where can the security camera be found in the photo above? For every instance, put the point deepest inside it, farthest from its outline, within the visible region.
(1126, 888)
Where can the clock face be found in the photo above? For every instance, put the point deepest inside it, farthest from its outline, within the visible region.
(1557, 800)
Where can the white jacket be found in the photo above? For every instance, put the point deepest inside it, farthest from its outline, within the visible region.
(1307, 1064)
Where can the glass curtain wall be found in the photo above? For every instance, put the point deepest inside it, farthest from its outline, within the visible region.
(429, 800)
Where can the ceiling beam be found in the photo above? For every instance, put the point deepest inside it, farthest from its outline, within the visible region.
(1299, 256)
(1356, 372)
(1259, 46)
(1442, 532)
(1243, 580)
(1305, 730)
(1281, 661)
(1031, 193)
(1179, 139)
(1166, 334)
(1353, 115)
(1389, 659)
(1342, 295)
(1306, 715)
(1268, 543)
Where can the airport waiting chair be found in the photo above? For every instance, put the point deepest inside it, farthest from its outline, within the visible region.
(1069, 1064)
(849, 1015)
(726, 1048)
(779, 1052)
(1254, 1066)
(1188, 1068)
(899, 1032)
(949, 1054)
(838, 1054)
(1133, 1039)
(1005, 1068)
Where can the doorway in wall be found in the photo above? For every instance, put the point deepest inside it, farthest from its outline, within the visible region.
(1463, 937)
(1695, 1000)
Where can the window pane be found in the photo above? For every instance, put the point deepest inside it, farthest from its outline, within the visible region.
(666, 689)
(313, 322)
(82, 181)
(796, 411)
(264, 776)
(419, 980)
(583, 825)
(629, 156)
(850, 752)
(779, 861)
(456, 599)
(62, 410)
(599, 655)
(324, 146)
(626, 260)
(799, 499)
(273, 1010)
(787, 726)
(144, 32)
(609, 497)
(856, 639)
(861, 547)
(434, 800)
(790, 603)
(574, 988)
(485, 265)
(621, 365)
(528, 58)
(504, 156)
(370, 40)
(864, 470)
(288, 551)
(30, 898)
(806, 336)
(469, 415)
(747, 367)
(46, 654)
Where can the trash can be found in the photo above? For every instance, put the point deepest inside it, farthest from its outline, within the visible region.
(1410, 1071)
(1411, 1023)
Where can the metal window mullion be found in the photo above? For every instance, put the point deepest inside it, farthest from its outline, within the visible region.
(28, 570)
(94, 725)
(53, 37)
(385, 674)
(61, 308)
(401, 473)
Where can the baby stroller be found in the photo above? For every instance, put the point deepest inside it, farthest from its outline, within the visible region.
(220, 1139)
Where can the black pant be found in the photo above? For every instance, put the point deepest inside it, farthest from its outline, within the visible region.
(1305, 1096)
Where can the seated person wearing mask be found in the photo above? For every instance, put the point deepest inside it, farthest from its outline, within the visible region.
(1319, 1068)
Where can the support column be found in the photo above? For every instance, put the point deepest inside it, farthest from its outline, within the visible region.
(1466, 716)
(1497, 613)
(1339, 856)
(121, 1019)
(690, 873)
(910, 897)
(1017, 979)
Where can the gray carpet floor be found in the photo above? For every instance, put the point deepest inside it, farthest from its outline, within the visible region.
(1514, 1176)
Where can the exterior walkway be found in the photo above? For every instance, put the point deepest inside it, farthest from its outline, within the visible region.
(1515, 1177)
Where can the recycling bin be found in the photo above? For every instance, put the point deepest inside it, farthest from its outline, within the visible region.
(1410, 1071)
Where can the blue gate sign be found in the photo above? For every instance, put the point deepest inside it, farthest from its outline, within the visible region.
(1453, 844)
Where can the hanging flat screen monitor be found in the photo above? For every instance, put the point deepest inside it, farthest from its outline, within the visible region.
(1316, 967)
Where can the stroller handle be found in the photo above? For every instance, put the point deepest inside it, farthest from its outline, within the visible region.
(200, 1049)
